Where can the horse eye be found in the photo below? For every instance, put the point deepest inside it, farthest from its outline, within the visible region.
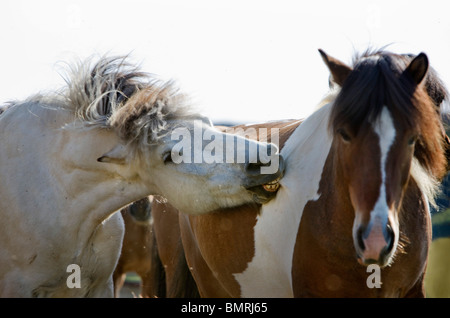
(345, 136)
(412, 141)
(167, 157)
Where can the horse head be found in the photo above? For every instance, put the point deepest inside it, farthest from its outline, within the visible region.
(385, 130)
(170, 148)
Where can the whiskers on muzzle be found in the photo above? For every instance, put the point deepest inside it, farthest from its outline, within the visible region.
(376, 242)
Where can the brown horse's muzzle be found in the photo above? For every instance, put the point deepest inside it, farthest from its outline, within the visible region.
(374, 243)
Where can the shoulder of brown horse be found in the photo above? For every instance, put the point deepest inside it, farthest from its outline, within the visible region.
(285, 129)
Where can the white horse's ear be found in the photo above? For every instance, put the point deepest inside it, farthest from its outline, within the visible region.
(117, 155)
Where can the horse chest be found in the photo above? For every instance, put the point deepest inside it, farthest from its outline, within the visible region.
(325, 262)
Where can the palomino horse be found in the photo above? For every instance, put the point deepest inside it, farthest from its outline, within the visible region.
(351, 218)
(139, 249)
(69, 160)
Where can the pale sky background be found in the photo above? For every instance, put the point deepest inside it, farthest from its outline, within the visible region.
(246, 61)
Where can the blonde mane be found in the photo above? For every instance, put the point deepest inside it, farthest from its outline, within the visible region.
(114, 94)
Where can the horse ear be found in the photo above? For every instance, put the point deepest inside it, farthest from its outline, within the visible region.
(418, 68)
(338, 69)
(116, 155)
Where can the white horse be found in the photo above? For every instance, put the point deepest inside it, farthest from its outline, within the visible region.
(69, 160)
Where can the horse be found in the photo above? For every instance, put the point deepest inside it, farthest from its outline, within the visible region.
(139, 250)
(114, 134)
(351, 216)
(171, 271)
(155, 263)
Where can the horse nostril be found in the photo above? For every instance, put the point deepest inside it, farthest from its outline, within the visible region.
(272, 150)
(389, 237)
(360, 240)
(254, 168)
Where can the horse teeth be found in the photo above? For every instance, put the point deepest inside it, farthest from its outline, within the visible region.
(272, 186)
(274, 181)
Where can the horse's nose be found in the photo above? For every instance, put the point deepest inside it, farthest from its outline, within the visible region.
(253, 169)
(263, 179)
(375, 242)
(265, 161)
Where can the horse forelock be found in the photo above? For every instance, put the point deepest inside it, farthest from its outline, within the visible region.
(115, 94)
(95, 91)
(151, 113)
(378, 80)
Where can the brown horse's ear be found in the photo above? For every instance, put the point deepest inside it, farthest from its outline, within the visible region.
(338, 69)
(418, 68)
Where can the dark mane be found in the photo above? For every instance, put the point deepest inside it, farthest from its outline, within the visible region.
(377, 80)
(434, 85)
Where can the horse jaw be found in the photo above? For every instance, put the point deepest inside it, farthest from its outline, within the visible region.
(197, 182)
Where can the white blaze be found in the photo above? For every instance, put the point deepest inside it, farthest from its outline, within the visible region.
(385, 129)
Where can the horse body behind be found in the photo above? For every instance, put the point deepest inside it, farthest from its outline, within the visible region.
(139, 250)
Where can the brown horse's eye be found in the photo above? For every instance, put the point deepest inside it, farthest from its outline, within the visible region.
(344, 135)
(412, 141)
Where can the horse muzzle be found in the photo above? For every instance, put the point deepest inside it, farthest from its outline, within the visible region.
(265, 186)
(375, 243)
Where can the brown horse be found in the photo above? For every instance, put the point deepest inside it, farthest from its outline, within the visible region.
(351, 217)
(176, 277)
(139, 251)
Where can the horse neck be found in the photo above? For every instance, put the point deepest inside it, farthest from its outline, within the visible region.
(75, 184)
(98, 188)
(336, 190)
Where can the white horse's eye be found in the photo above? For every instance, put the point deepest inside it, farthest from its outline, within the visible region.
(167, 157)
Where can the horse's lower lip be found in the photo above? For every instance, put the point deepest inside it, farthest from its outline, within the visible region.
(263, 199)
(362, 262)
(263, 195)
(366, 262)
